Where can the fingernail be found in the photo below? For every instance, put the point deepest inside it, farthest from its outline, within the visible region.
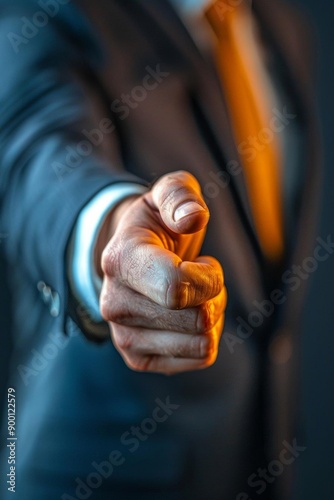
(189, 208)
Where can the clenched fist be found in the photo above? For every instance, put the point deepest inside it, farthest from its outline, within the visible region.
(165, 305)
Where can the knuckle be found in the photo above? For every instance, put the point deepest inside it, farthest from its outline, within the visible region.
(210, 312)
(206, 316)
(148, 363)
(112, 307)
(106, 308)
(118, 315)
(110, 259)
(125, 339)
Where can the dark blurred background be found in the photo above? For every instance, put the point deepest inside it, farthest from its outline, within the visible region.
(316, 464)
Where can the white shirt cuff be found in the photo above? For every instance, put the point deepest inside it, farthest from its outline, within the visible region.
(86, 284)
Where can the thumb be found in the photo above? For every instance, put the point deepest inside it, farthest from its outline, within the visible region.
(177, 197)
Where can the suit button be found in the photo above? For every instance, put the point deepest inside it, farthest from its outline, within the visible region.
(280, 349)
(50, 298)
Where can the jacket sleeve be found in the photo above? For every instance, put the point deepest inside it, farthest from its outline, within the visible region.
(48, 169)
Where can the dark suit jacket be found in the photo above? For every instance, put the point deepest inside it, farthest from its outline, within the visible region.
(64, 72)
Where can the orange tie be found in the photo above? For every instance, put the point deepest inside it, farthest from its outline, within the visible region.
(249, 101)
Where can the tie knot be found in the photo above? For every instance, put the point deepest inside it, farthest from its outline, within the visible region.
(222, 13)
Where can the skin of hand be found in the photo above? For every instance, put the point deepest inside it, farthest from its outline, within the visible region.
(164, 304)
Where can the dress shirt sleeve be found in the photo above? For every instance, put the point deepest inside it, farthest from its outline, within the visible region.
(85, 283)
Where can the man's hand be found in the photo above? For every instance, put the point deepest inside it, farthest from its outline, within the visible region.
(165, 305)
